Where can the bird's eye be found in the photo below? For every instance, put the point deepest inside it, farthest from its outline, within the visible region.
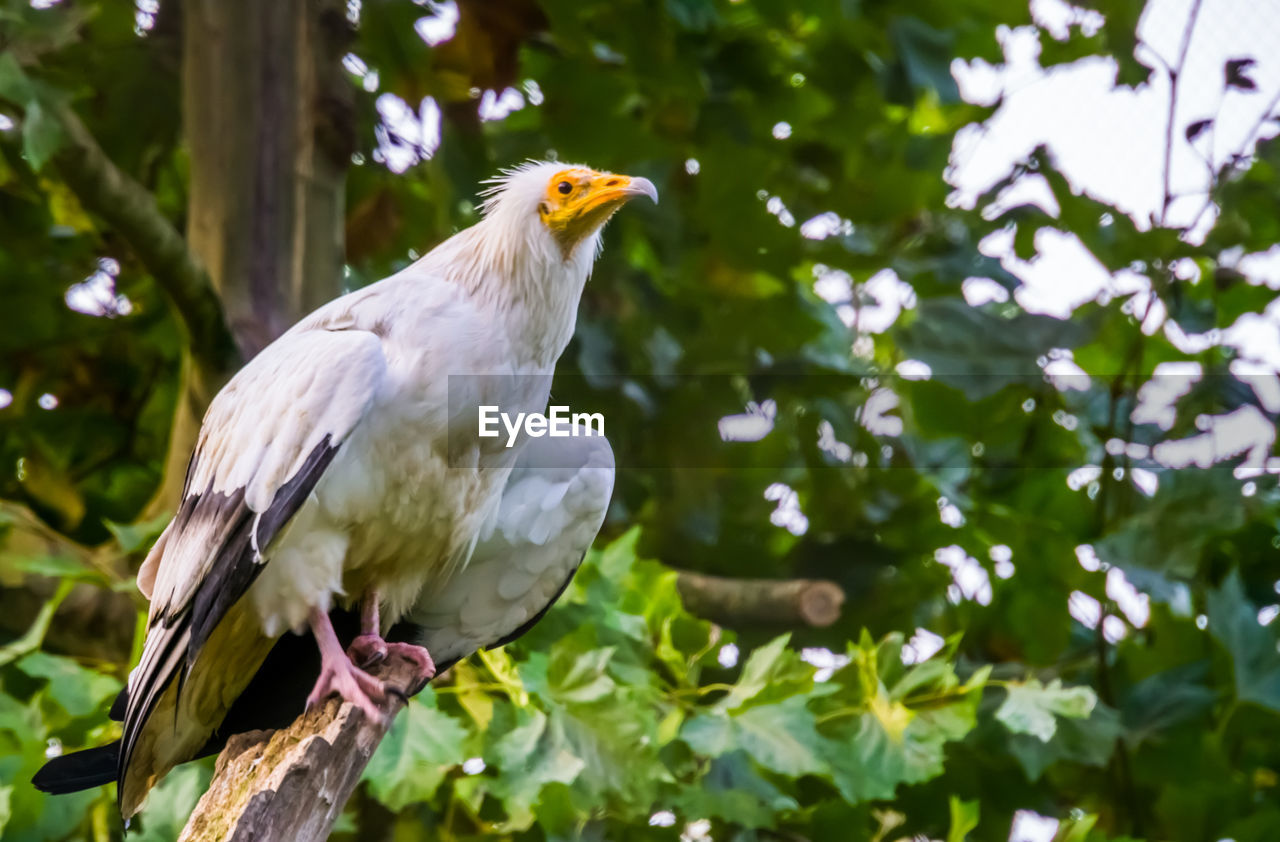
(565, 188)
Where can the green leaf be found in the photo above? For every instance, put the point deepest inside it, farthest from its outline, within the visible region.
(781, 737)
(926, 55)
(14, 84)
(964, 818)
(79, 691)
(6, 796)
(422, 746)
(134, 536)
(772, 671)
(530, 755)
(1233, 620)
(1032, 707)
(41, 135)
(169, 806)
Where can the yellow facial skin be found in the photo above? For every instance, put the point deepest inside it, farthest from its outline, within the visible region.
(579, 201)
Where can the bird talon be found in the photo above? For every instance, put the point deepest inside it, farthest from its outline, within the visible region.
(367, 650)
(418, 656)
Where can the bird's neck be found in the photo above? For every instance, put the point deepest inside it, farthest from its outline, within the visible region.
(530, 286)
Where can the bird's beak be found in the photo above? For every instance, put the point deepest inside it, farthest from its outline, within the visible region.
(610, 191)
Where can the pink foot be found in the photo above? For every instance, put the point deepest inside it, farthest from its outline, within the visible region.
(418, 656)
(354, 685)
(367, 650)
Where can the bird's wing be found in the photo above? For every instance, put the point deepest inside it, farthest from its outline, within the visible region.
(266, 440)
(551, 510)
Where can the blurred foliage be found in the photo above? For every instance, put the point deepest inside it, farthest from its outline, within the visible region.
(620, 716)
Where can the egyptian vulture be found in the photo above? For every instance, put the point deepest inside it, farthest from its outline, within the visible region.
(340, 472)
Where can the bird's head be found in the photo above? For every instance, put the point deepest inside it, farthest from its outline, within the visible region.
(568, 202)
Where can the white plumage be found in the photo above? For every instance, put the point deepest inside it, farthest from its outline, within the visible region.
(331, 468)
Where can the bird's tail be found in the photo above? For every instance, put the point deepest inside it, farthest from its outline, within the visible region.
(187, 708)
(79, 770)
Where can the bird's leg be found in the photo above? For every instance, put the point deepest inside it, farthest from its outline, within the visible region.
(368, 649)
(339, 675)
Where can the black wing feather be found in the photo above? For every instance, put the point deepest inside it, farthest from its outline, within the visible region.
(235, 566)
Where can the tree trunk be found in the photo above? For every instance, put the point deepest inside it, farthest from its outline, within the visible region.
(269, 126)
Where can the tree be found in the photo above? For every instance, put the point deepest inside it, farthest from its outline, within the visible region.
(805, 253)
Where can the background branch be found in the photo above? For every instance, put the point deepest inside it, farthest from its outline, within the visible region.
(735, 602)
(129, 208)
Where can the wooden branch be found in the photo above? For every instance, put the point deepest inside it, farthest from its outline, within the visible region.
(128, 207)
(291, 785)
(734, 602)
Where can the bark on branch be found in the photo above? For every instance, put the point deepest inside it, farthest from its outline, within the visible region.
(128, 207)
(734, 602)
(291, 785)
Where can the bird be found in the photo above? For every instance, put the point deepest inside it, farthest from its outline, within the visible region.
(341, 468)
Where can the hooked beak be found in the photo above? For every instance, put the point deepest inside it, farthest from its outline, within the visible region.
(610, 191)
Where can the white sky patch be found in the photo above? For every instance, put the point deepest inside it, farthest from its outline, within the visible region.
(6, 398)
(922, 646)
(1030, 826)
(533, 92)
(697, 831)
(440, 26)
(47, 401)
(1262, 379)
(1062, 372)
(1059, 18)
(979, 291)
(1267, 614)
(662, 818)
(827, 224)
(752, 425)
(890, 294)
(1085, 609)
(826, 661)
(1002, 558)
(6, 123)
(406, 137)
(1082, 476)
(1088, 558)
(913, 370)
(969, 578)
(775, 206)
(692, 167)
(1135, 605)
(473, 765)
(782, 130)
(1113, 629)
(144, 15)
(874, 414)
(1244, 430)
(1145, 481)
(496, 106)
(832, 446)
(728, 655)
(949, 513)
(1109, 142)
(877, 304)
(787, 515)
(1261, 267)
(1157, 398)
(96, 295)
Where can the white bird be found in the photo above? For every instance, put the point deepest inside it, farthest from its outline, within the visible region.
(341, 466)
